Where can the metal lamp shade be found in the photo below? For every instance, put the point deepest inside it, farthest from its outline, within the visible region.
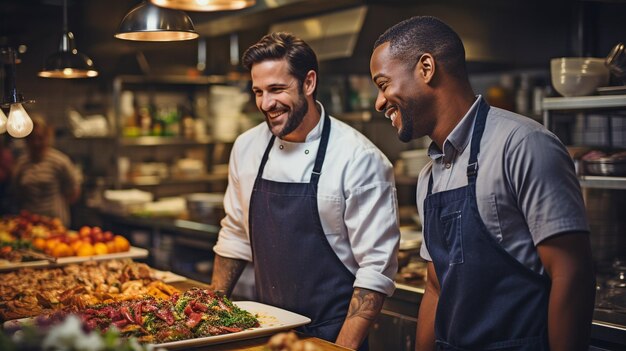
(147, 22)
(204, 5)
(68, 62)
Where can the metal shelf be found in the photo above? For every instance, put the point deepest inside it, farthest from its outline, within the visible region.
(153, 181)
(163, 141)
(602, 182)
(584, 102)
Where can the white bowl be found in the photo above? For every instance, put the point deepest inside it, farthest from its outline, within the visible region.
(578, 76)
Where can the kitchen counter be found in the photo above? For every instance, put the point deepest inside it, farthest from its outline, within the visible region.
(608, 329)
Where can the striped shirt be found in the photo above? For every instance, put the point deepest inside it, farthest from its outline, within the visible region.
(43, 187)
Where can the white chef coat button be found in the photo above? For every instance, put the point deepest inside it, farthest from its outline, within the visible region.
(281, 147)
(448, 165)
(306, 152)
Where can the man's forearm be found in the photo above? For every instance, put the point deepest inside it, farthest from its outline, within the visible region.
(226, 272)
(365, 305)
(570, 312)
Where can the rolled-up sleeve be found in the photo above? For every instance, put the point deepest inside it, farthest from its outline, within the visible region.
(233, 240)
(371, 218)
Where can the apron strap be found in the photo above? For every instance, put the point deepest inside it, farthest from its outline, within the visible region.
(479, 128)
(321, 152)
(477, 134)
(265, 157)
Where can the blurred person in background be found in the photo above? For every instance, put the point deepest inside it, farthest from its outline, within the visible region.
(44, 180)
(6, 166)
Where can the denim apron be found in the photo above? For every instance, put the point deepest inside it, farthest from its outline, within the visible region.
(295, 267)
(488, 300)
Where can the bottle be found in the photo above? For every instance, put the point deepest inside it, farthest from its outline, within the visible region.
(145, 121)
(522, 95)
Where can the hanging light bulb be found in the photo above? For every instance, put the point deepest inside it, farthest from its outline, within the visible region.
(19, 123)
(3, 122)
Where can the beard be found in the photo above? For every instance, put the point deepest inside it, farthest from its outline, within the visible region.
(408, 115)
(295, 117)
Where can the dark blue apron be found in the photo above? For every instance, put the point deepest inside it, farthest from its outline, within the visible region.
(488, 299)
(294, 265)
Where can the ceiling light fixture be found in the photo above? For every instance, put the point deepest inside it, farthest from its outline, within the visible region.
(19, 123)
(68, 63)
(147, 22)
(204, 5)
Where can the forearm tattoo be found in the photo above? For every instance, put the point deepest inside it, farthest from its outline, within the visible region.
(226, 273)
(365, 304)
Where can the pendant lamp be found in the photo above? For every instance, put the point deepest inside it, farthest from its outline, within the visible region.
(204, 5)
(68, 63)
(147, 22)
(18, 124)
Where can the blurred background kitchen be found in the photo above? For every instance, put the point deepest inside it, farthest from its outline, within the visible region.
(151, 126)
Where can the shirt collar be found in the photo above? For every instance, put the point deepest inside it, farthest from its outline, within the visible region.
(316, 132)
(460, 136)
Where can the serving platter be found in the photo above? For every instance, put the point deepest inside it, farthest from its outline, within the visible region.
(272, 320)
(133, 252)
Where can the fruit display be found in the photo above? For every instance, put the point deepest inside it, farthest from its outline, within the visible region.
(28, 231)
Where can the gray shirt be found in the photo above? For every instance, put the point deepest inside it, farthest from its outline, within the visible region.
(526, 189)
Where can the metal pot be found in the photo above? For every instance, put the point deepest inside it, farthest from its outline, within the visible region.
(606, 166)
(205, 207)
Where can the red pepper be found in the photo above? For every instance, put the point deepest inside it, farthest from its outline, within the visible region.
(126, 313)
(138, 318)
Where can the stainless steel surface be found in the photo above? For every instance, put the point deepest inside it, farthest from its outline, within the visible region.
(147, 22)
(583, 102)
(603, 182)
(605, 166)
(616, 61)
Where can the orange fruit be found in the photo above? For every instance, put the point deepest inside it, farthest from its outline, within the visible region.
(85, 249)
(62, 250)
(100, 248)
(111, 248)
(84, 231)
(39, 244)
(51, 244)
(76, 244)
(121, 243)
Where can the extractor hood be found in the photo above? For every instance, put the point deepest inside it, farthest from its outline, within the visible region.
(332, 35)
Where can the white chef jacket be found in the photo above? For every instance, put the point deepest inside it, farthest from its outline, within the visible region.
(357, 198)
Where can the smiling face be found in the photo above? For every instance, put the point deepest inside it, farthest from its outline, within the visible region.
(402, 94)
(281, 98)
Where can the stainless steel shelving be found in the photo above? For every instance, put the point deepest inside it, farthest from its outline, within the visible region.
(586, 104)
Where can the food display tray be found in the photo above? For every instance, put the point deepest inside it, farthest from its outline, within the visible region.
(272, 320)
(133, 252)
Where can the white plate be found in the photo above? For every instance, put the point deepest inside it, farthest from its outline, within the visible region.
(167, 276)
(134, 252)
(272, 319)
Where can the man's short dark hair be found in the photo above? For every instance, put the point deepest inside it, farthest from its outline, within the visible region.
(281, 45)
(411, 38)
